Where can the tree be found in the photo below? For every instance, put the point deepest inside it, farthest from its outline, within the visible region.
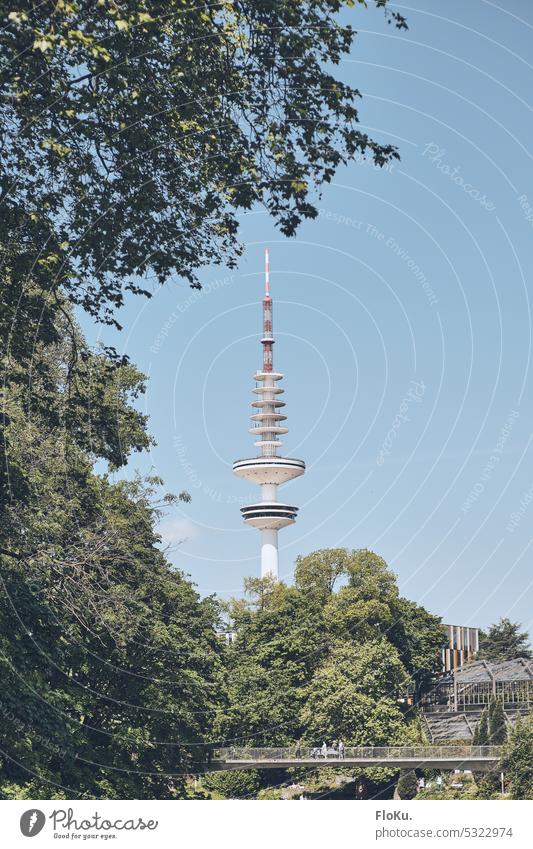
(343, 711)
(497, 726)
(324, 658)
(277, 645)
(134, 133)
(110, 663)
(419, 638)
(408, 784)
(481, 732)
(318, 573)
(353, 695)
(517, 762)
(362, 605)
(504, 641)
(373, 667)
(490, 731)
(367, 604)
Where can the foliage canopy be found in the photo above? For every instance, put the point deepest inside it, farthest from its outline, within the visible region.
(134, 133)
(317, 662)
(504, 641)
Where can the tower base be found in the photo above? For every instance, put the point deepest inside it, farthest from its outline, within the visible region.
(269, 553)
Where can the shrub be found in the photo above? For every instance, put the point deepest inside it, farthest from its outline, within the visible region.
(407, 785)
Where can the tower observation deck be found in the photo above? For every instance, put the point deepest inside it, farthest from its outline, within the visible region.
(267, 469)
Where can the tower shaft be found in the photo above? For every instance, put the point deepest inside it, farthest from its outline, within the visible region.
(269, 553)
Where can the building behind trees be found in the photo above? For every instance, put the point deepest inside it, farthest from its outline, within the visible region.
(452, 707)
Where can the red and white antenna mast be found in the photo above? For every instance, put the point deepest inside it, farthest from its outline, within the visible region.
(268, 338)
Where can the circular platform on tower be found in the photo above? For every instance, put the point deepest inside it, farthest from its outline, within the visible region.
(269, 515)
(264, 390)
(276, 470)
(270, 375)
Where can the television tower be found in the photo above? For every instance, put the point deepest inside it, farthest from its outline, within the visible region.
(267, 469)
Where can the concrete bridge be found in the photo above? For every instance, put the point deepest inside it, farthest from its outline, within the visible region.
(474, 758)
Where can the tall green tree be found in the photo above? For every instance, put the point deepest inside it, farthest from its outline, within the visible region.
(366, 603)
(497, 726)
(504, 641)
(277, 645)
(324, 658)
(110, 664)
(481, 732)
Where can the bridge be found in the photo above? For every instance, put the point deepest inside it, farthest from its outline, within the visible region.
(474, 758)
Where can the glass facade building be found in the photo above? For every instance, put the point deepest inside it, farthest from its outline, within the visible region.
(463, 644)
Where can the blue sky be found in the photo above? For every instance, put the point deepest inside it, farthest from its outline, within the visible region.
(403, 326)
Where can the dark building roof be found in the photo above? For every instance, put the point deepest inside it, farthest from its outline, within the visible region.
(448, 726)
(479, 671)
(458, 726)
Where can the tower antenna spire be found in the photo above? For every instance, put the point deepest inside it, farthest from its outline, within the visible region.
(267, 275)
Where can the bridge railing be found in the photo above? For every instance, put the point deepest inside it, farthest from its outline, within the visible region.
(385, 753)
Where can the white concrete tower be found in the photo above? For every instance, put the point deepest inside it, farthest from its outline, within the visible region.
(267, 469)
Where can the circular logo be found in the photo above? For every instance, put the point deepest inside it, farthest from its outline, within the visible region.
(32, 822)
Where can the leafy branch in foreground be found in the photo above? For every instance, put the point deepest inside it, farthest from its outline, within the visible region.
(133, 133)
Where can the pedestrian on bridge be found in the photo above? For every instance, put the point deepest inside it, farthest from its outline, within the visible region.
(324, 750)
(341, 750)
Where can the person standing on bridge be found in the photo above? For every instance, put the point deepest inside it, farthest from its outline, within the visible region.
(324, 750)
(341, 750)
